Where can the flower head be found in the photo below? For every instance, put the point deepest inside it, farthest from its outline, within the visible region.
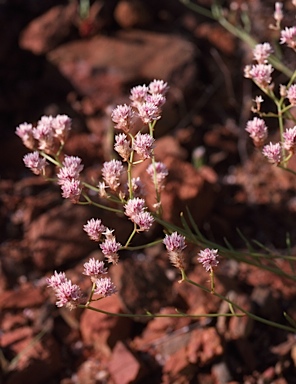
(291, 94)
(273, 152)
(288, 37)
(25, 132)
(94, 268)
(61, 125)
(68, 295)
(261, 52)
(260, 73)
(122, 115)
(110, 250)
(104, 287)
(71, 189)
(56, 279)
(94, 229)
(143, 145)
(36, 163)
(161, 172)
(290, 139)
(175, 244)
(111, 173)
(158, 87)
(258, 131)
(144, 220)
(208, 258)
(122, 146)
(138, 95)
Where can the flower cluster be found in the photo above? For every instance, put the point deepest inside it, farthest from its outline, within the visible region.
(208, 258)
(135, 210)
(175, 244)
(69, 178)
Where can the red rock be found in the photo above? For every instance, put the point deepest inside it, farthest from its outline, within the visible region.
(102, 331)
(48, 30)
(124, 366)
(22, 297)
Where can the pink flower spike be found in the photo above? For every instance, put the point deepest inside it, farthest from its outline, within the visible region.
(290, 139)
(36, 163)
(111, 173)
(143, 145)
(288, 37)
(61, 126)
(261, 52)
(70, 170)
(261, 74)
(25, 132)
(94, 229)
(134, 206)
(68, 295)
(122, 115)
(257, 130)
(110, 249)
(56, 279)
(161, 172)
(291, 94)
(208, 258)
(158, 86)
(144, 221)
(44, 134)
(273, 152)
(71, 189)
(94, 268)
(175, 245)
(122, 146)
(104, 287)
(148, 112)
(138, 95)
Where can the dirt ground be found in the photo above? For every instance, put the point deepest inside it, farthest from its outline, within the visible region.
(53, 61)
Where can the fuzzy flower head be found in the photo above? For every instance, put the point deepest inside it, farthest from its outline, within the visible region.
(56, 280)
(35, 162)
(61, 125)
(273, 152)
(138, 187)
(94, 268)
(290, 139)
(71, 189)
(134, 206)
(138, 95)
(291, 94)
(111, 173)
(208, 258)
(260, 74)
(110, 250)
(158, 170)
(44, 135)
(148, 112)
(144, 221)
(143, 145)
(68, 295)
(70, 170)
(122, 116)
(175, 244)
(94, 229)
(25, 132)
(158, 87)
(257, 130)
(261, 52)
(122, 146)
(104, 287)
(288, 37)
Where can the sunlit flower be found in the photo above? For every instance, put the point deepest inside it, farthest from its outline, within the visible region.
(122, 115)
(175, 244)
(258, 131)
(94, 268)
(111, 173)
(143, 145)
(261, 52)
(273, 152)
(25, 132)
(290, 139)
(104, 287)
(208, 258)
(288, 36)
(291, 94)
(35, 162)
(110, 248)
(94, 228)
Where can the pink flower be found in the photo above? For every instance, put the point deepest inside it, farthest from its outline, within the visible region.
(94, 229)
(61, 126)
(25, 132)
(290, 139)
(56, 279)
(68, 295)
(111, 173)
(208, 258)
(70, 170)
(122, 115)
(138, 187)
(161, 172)
(273, 152)
(260, 73)
(44, 134)
(94, 268)
(144, 220)
(158, 86)
(148, 112)
(288, 36)
(138, 95)
(134, 206)
(36, 163)
(143, 145)
(122, 146)
(71, 189)
(291, 94)
(175, 244)
(278, 13)
(110, 250)
(261, 52)
(258, 131)
(105, 287)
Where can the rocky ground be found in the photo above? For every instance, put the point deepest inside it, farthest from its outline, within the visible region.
(55, 62)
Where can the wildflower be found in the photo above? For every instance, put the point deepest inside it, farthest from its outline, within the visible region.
(278, 13)
(36, 163)
(122, 146)
(158, 87)
(288, 36)
(71, 189)
(25, 132)
(61, 126)
(134, 206)
(102, 189)
(44, 134)
(157, 99)
(122, 115)
(94, 229)
(160, 170)
(175, 244)
(261, 52)
(94, 268)
(258, 131)
(68, 295)
(70, 170)
(143, 145)
(148, 112)
(137, 187)
(104, 287)
(260, 73)
(291, 94)
(290, 139)
(56, 279)
(111, 172)
(273, 152)
(110, 248)
(138, 95)
(208, 258)
(144, 220)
